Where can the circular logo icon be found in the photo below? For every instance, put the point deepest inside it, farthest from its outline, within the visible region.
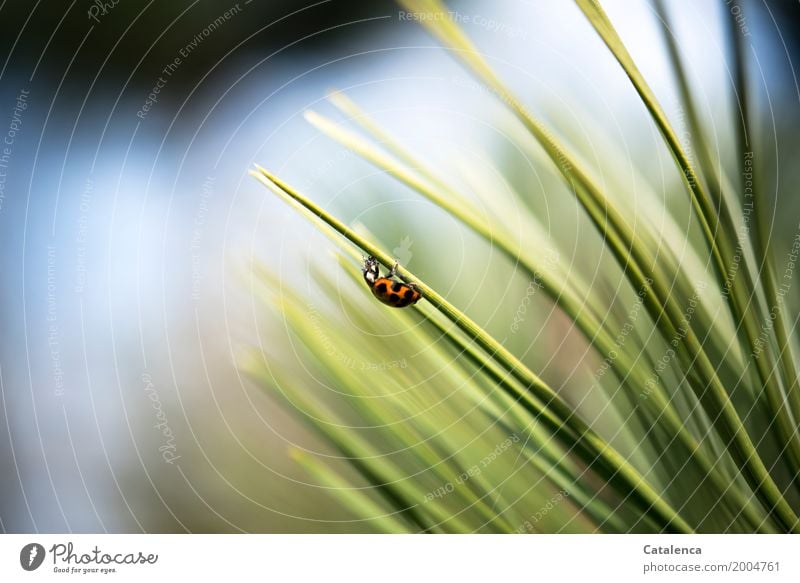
(31, 556)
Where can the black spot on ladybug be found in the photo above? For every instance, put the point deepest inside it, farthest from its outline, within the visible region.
(394, 298)
(397, 286)
(381, 287)
(409, 294)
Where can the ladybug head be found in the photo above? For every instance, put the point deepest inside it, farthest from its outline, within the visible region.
(370, 270)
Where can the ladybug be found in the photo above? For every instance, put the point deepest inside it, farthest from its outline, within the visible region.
(387, 289)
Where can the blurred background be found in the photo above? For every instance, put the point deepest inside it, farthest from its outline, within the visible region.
(128, 222)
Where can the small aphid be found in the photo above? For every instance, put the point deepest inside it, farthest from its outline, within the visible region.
(389, 290)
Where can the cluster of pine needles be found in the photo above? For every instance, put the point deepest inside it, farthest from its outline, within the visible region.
(437, 425)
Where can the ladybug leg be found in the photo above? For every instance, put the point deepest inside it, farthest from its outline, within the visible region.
(393, 272)
(413, 285)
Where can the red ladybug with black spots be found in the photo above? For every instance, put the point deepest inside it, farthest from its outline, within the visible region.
(388, 290)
